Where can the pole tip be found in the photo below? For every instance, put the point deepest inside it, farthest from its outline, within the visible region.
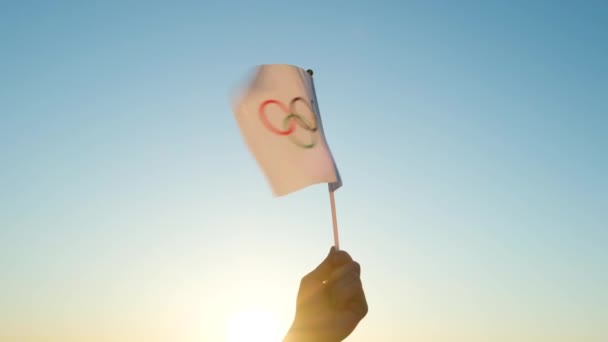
(309, 71)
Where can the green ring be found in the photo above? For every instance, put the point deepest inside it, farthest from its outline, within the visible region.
(306, 126)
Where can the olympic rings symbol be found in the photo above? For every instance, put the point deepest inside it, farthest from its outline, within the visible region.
(291, 120)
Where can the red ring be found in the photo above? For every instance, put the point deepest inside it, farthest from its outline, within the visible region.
(292, 124)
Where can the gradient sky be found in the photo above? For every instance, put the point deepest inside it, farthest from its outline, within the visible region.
(471, 139)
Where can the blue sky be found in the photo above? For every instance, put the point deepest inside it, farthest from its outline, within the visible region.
(471, 139)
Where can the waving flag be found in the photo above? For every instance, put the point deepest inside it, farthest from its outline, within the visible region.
(278, 115)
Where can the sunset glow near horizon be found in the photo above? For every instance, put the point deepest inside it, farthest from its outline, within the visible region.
(471, 140)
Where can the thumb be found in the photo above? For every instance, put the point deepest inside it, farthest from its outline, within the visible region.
(325, 268)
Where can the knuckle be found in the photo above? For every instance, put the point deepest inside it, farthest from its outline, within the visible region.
(344, 255)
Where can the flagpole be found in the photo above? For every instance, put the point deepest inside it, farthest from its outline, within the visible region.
(334, 219)
(332, 201)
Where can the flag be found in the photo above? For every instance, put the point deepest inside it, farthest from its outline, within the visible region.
(278, 115)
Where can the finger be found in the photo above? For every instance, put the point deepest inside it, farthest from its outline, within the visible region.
(344, 270)
(341, 258)
(358, 303)
(340, 288)
(346, 292)
(323, 271)
(359, 307)
(351, 296)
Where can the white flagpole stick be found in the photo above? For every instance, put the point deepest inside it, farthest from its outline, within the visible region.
(334, 219)
(331, 192)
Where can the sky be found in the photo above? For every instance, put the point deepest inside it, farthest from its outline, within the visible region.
(470, 137)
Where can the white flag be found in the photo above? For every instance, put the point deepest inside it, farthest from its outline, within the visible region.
(279, 118)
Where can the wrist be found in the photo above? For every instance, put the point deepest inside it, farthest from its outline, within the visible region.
(300, 335)
(295, 336)
(306, 335)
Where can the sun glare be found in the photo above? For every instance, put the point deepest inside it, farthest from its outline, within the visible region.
(253, 325)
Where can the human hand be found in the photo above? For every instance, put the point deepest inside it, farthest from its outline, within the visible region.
(330, 302)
